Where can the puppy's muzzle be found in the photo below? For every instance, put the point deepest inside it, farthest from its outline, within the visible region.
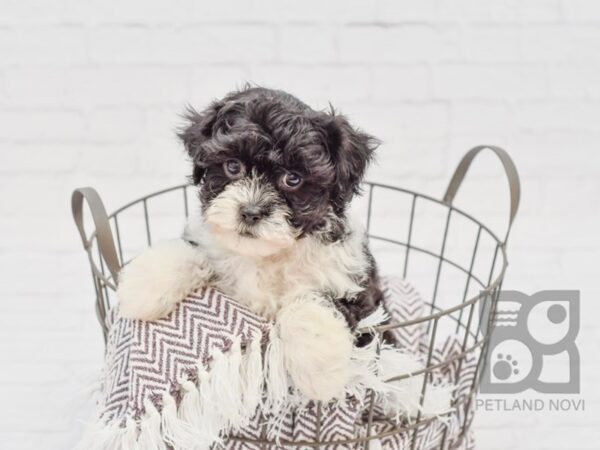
(252, 214)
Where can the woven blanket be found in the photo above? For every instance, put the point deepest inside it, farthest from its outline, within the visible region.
(211, 373)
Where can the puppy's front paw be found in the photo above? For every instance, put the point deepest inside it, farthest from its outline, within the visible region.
(152, 284)
(317, 346)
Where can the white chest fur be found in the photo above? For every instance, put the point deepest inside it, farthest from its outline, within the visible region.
(308, 267)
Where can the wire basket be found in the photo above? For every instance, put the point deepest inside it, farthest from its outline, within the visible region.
(460, 272)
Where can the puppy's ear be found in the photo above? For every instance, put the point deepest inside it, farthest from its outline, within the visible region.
(351, 151)
(198, 129)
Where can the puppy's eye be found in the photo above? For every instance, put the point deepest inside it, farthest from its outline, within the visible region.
(233, 167)
(291, 180)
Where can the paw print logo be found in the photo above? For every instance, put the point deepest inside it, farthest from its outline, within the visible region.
(528, 332)
(510, 363)
(505, 367)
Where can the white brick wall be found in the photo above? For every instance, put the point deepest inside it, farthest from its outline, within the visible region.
(90, 93)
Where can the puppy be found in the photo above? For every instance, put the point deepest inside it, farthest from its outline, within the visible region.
(275, 179)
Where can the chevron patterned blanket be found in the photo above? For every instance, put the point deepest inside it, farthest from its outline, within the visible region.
(210, 374)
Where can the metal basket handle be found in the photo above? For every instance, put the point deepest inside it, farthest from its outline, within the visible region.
(511, 174)
(104, 236)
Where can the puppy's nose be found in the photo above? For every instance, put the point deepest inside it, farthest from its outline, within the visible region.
(251, 214)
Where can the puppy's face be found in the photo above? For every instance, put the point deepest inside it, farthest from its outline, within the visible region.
(272, 170)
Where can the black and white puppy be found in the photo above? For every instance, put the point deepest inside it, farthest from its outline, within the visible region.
(275, 180)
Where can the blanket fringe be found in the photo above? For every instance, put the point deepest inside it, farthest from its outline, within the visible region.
(253, 375)
(130, 435)
(176, 432)
(277, 383)
(99, 436)
(207, 421)
(150, 433)
(190, 408)
(226, 397)
(402, 398)
(374, 319)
